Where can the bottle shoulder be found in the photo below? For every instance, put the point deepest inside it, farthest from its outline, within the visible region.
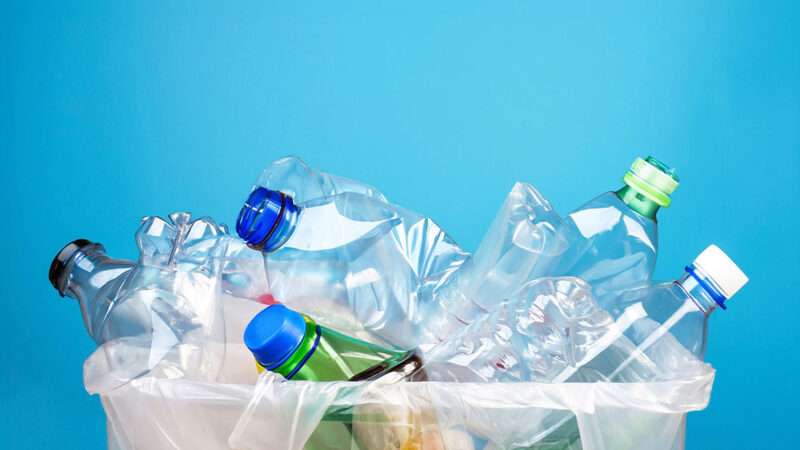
(607, 215)
(659, 301)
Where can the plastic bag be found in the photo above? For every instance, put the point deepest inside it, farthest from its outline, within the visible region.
(156, 411)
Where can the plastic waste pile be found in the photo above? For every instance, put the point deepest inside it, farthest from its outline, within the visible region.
(334, 319)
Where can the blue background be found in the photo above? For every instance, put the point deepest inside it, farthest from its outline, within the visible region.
(113, 111)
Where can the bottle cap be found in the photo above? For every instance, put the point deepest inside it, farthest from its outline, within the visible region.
(263, 216)
(653, 179)
(720, 269)
(62, 258)
(274, 334)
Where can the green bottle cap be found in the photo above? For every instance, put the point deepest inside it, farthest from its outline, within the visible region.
(653, 179)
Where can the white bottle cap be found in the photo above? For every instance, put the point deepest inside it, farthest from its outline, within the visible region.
(721, 269)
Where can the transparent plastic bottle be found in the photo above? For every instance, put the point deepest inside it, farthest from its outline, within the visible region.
(613, 239)
(83, 271)
(609, 242)
(553, 331)
(245, 274)
(164, 303)
(349, 255)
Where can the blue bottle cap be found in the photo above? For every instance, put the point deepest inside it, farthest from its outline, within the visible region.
(274, 334)
(263, 220)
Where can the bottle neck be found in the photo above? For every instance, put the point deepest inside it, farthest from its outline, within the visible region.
(267, 219)
(638, 202)
(284, 230)
(701, 290)
(89, 270)
(300, 356)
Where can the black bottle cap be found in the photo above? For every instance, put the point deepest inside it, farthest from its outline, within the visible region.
(61, 260)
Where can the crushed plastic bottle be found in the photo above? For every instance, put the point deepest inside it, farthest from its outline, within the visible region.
(553, 331)
(614, 238)
(244, 273)
(610, 242)
(349, 258)
(168, 297)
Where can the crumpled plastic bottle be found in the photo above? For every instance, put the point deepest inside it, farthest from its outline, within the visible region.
(165, 305)
(523, 238)
(245, 275)
(346, 256)
(609, 242)
(551, 331)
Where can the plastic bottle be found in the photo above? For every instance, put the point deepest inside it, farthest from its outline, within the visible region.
(165, 304)
(613, 239)
(610, 242)
(349, 253)
(83, 271)
(673, 329)
(245, 275)
(553, 331)
(293, 345)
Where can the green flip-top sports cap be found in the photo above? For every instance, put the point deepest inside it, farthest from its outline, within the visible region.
(653, 179)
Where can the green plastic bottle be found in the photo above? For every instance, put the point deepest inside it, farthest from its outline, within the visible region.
(292, 344)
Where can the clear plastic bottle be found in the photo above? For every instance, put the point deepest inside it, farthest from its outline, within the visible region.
(610, 242)
(164, 303)
(613, 239)
(553, 331)
(245, 274)
(349, 254)
(83, 271)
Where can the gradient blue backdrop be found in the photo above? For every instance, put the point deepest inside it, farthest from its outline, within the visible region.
(112, 111)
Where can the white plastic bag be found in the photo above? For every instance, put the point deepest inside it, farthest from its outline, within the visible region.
(157, 411)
